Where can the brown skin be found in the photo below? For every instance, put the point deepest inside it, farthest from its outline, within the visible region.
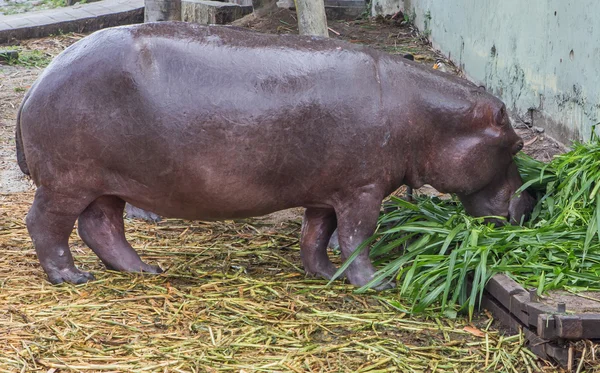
(217, 123)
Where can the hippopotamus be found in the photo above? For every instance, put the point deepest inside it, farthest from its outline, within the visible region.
(210, 123)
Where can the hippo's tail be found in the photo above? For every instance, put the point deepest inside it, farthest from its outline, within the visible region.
(19, 142)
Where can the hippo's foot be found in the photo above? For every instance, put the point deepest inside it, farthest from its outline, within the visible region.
(101, 228)
(323, 271)
(72, 275)
(133, 212)
(363, 273)
(317, 227)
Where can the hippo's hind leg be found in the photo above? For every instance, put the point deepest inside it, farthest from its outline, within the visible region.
(101, 227)
(357, 220)
(50, 222)
(317, 227)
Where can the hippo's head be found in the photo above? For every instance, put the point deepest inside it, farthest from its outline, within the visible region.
(476, 161)
(498, 197)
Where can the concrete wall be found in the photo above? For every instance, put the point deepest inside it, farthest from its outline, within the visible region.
(542, 57)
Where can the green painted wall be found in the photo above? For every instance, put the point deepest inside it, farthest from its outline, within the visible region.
(542, 57)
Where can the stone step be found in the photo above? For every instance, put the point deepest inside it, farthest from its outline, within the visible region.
(212, 12)
(79, 18)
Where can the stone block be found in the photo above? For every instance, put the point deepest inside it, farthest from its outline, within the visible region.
(241, 2)
(159, 10)
(263, 7)
(345, 9)
(212, 12)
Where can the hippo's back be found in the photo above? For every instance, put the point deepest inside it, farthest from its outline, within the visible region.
(146, 107)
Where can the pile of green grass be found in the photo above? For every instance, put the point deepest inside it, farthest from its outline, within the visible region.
(431, 247)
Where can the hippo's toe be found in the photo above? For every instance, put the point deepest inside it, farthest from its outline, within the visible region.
(361, 275)
(152, 269)
(71, 275)
(385, 286)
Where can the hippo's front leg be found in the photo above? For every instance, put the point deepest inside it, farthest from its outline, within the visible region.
(357, 220)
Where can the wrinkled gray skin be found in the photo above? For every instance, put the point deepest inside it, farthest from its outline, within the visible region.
(217, 123)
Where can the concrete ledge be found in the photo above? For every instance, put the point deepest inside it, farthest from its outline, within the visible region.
(212, 12)
(84, 18)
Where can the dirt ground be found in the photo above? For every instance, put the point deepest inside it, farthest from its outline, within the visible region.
(16, 191)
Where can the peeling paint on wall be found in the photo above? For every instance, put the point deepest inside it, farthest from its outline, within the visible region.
(540, 57)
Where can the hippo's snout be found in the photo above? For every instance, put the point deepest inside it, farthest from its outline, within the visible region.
(499, 199)
(519, 207)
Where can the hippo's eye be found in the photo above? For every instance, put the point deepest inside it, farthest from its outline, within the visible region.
(518, 147)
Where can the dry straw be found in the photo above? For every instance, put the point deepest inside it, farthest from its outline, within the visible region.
(234, 300)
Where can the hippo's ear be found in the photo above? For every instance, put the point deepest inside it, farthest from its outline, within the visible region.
(500, 117)
(489, 115)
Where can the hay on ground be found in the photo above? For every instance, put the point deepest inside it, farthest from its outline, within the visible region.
(233, 299)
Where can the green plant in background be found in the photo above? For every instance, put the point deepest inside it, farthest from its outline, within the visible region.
(34, 58)
(431, 247)
(367, 11)
(8, 55)
(410, 18)
(427, 24)
(28, 58)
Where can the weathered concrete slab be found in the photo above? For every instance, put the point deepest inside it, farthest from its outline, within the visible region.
(159, 10)
(345, 9)
(212, 12)
(387, 7)
(241, 2)
(262, 7)
(79, 18)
